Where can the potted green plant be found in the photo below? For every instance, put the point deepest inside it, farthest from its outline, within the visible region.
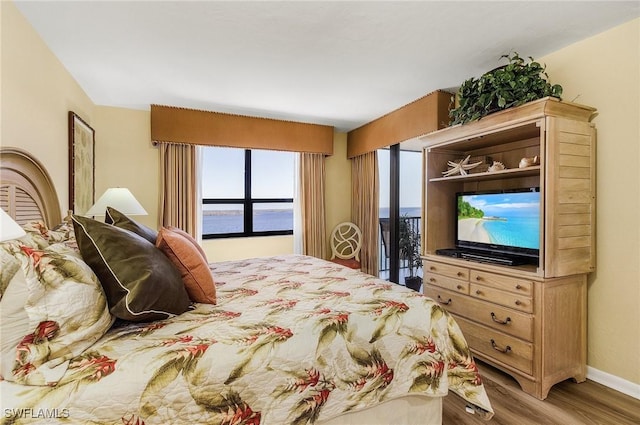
(409, 249)
(504, 87)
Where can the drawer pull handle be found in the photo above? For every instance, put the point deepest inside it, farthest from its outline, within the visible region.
(478, 277)
(518, 302)
(478, 292)
(502, 350)
(518, 286)
(444, 302)
(459, 287)
(502, 322)
(460, 274)
(432, 279)
(432, 268)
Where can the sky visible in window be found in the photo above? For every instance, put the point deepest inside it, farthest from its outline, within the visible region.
(223, 174)
(410, 178)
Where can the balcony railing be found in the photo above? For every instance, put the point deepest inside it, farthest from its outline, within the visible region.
(383, 255)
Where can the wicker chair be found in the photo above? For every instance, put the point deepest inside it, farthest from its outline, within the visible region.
(346, 242)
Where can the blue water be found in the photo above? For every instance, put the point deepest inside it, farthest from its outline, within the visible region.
(520, 231)
(215, 224)
(233, 222)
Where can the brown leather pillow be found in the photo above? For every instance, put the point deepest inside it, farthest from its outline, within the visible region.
(118, 219)
(193, 267)
(140, 283)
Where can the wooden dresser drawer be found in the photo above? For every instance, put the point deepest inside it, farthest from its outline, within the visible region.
(496, 345)
(446, 282)
(451, 301)
(507, 299)
(446, 270)
(494, 316)
(506, 283)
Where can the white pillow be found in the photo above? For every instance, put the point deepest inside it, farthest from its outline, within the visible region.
(14, 319)
(66, 308)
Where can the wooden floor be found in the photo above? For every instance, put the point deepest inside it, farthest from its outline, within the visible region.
(568, 403)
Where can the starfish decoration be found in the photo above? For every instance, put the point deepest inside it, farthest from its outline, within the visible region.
(460, 167)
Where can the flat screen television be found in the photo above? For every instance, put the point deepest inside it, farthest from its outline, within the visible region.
(500, 223)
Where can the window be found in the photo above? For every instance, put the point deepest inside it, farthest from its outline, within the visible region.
(400, 196)
(247, 192)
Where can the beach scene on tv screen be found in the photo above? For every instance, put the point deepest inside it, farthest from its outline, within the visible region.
(511, 219)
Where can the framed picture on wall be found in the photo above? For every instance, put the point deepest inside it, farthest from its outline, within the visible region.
(81, 164)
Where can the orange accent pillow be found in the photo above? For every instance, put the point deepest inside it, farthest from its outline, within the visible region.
(193, 268)
(190, 239)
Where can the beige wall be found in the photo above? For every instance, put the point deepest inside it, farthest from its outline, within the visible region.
(125, 157)
(37, 92)
(239, 248)
(604, 72)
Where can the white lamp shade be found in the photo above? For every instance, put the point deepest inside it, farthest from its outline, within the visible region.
(9, 229)
(118, 198)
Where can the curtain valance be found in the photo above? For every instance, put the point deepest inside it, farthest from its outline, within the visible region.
(422, 116)
(171, 124)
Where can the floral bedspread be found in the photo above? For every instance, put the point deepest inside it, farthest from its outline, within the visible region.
(292, 340)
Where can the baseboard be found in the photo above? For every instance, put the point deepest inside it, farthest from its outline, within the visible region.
(614, 382)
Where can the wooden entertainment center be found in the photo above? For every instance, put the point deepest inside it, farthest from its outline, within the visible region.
(527, 320)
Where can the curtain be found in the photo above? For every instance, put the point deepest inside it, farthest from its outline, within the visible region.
(180, 187)
(364, 207)
(298, 229)
(314, 241)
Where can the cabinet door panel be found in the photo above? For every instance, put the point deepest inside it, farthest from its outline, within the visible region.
(569, 196)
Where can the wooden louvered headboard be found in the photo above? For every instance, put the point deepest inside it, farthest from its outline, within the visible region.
(26, 190)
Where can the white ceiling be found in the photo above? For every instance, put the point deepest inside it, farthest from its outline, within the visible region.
(337, 63)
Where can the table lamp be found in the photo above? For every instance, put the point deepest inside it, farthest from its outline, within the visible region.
(119, 198)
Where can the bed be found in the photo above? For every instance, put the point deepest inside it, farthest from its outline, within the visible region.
(280, 340)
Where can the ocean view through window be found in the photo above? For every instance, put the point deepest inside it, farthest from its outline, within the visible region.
(247, 192)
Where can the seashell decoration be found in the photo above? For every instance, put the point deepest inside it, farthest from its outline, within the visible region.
(496, 166)
(528, 162)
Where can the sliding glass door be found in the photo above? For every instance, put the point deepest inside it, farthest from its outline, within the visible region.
(400, 203)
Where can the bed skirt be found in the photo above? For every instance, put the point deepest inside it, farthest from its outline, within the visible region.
(409, 410)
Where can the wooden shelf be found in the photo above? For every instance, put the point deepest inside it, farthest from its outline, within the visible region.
(512, 172)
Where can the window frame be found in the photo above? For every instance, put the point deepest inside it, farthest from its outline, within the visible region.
(247, 202)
